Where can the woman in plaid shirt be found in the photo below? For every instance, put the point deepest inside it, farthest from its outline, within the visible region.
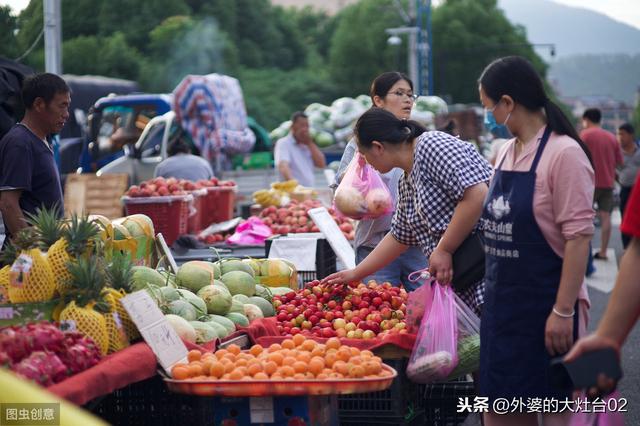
(440, 195)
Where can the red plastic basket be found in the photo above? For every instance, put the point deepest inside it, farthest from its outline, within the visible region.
(196, 220)
(170, 215)
(219, 204)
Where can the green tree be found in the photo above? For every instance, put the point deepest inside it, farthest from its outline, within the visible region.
(136, 19)
(272, 95)
(176, 50)
(110, 56)
(467, 36)
(359, 49)
(8, 25)
(79, 18)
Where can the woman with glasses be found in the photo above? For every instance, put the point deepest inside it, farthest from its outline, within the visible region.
(392, 91)
(441, 193)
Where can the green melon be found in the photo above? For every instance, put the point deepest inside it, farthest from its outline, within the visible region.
(241, 298)
(183, 309)
(236, 306)
(223, 321)
(194, 275)
(280, 291)
(239, 282)
(143, 275)
(265, 306)
(195, 301)
(252, 312)
(255, 265)
(139, 225)
(275, 268)
(238, 319)
(264, 292)
(204, 332)
(217, 299)
(220, 284)
(169, 294)
(219, 328)
(235, 265)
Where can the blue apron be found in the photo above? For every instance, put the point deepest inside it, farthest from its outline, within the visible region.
(522, 279)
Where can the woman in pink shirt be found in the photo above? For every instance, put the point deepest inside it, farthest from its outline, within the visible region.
(537, 223)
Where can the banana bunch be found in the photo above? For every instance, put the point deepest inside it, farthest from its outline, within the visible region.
(270, 197)
(286, 186)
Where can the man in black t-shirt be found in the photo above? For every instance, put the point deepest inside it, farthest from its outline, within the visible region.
(29, 177)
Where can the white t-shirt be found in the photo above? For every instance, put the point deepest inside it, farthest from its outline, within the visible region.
(299, 158)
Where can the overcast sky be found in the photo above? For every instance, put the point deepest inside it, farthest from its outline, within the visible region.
(627, 11)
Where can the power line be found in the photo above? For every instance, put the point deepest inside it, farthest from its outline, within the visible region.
(35, 43)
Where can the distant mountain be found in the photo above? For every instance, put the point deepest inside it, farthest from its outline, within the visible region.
(573, 30)
(615, 75)
(594, 54)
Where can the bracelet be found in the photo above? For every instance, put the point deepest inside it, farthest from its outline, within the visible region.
(561, 315)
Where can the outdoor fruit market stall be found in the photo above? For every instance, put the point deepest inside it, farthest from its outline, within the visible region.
(264, 339)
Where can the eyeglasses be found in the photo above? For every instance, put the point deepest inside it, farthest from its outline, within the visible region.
(400, 94)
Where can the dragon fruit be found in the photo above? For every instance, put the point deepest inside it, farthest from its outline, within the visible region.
(13, 343)
(44, 368)
(5, 360)
(44, 336)
(80, 357)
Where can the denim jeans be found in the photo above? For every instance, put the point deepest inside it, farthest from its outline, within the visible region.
(396, 272)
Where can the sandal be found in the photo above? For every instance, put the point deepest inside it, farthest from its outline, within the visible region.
(597, 256)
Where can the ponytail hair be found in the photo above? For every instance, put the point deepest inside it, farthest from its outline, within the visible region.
(515, 76)
(378, 124)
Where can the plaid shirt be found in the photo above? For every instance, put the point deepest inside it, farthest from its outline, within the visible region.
(443, 168)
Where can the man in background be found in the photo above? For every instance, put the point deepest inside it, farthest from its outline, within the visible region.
(29, 177)
(606, 156)
(296, 155)
(629, 170)
(182, 164)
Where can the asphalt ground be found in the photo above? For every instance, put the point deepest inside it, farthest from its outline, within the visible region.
(629, 386)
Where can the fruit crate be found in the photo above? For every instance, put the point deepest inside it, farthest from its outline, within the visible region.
(325, 260)
(406, 402)
(150, 402)
(442, 401)
(170, 214)
(218, 205)
(401, 404)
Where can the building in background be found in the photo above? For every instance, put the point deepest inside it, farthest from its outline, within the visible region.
(614, 112)
(330, 6)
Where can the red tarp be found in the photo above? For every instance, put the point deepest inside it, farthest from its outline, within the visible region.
(118, 370)
(265, 332)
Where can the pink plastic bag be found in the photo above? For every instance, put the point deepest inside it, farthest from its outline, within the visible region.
(609, 417)
(362, 194)
(435, 353)
(250, 232)
(419, 301)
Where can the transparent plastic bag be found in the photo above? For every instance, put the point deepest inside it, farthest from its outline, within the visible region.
(468, 340)
(435, 353)
(433, 358)
(362, 194)
(419, 300)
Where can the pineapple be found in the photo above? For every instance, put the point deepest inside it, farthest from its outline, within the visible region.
(7, 257)
(86, 305)
(78, 239)
(39, 284)
(120, 278)
(47, 226)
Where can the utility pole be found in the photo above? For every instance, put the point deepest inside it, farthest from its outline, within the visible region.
(412, 61)
(52, 36)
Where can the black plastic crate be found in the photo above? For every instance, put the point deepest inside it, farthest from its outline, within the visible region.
(401, 404)
(442, 402)
(325, 260)
(150, 402)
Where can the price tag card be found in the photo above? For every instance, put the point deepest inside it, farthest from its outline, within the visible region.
(166, 252)
(155, 329)
(338, 242)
